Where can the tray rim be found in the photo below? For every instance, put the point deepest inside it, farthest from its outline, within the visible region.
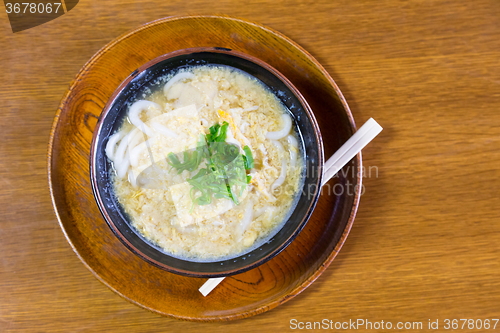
(298, 289)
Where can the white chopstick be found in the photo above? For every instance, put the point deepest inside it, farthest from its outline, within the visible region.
(351, 148)
(210, 285)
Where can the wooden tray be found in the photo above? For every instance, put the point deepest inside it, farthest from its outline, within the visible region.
(239, 296)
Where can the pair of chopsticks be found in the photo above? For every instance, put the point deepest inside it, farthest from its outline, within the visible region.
(351, 148)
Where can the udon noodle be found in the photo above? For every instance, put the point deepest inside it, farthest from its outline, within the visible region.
(209, 165)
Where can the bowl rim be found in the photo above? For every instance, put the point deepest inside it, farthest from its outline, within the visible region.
(109, 221)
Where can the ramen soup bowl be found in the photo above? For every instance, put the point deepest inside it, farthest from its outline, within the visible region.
(145, 79)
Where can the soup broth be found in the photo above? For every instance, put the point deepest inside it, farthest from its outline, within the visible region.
(207, 166)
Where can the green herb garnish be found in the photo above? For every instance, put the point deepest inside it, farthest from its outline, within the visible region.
(217, 133)
(248, 158)
(225, 167)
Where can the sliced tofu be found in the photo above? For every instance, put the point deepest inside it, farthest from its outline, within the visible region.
(183, 203)
(174, 131)
(180, 194)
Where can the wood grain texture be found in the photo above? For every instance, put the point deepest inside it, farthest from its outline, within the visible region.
(241, 295)
(426, 239)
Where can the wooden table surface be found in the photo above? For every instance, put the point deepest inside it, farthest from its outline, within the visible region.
(425, 243)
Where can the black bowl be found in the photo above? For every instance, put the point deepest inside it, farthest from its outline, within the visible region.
(114, 113)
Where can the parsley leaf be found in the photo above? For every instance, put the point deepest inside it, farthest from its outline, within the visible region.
(225, 167)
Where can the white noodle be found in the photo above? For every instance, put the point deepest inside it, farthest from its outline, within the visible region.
(243, 138)
(278, 145)
(134, 112)
(252, 108)
(110, 146)
(244, 126)
(134, 139)
(265, 162)
(121, 169)
(122, 148)
(260, 211)
(282, 132)
(230, 139)
(132, 179)
(177, 78)
(281, 178)
(247, 217)
(265, 159)
(134, 154)
(294, 148)
(125, 147)
(163, 130)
